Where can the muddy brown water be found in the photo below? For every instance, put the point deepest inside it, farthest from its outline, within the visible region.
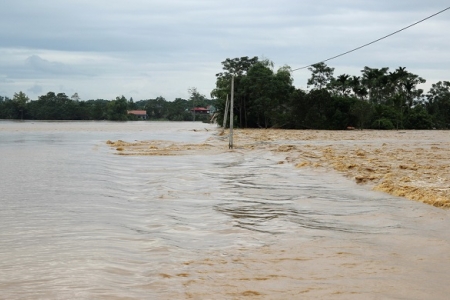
(80, 222)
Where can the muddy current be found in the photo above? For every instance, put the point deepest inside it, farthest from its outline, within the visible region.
(155, 210)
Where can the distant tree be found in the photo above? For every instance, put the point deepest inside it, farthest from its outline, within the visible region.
(8, 108)
(321, 76)
(196, 99)
(297, 109)
(438, 104)
(179, 110)
(342, 85)
(319, 109)
(362, 110)
(21, 101)
(157, 108)
(375, 82)
(131, 105)
(268, 95)
(418, 118)
(237, 67)
(53, 106)
(357, 88)
(117, 109)
(98, 109)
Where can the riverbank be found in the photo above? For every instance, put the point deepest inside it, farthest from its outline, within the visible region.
(410, 164)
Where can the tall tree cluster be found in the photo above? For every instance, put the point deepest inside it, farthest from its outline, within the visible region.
(377, 99)
(261, 95)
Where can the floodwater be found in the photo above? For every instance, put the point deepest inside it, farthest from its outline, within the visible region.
(78, 221)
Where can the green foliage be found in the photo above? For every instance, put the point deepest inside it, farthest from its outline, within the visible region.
(297, 109)
(383, 124)
(418, 118)
(342, 85)
(21, 99)
(117, 109)
(156, 108)
(237, 67)
(377, 99)
(54, 107)
(362, 111)
(131, 105)
(438, 104)
(320, 109)
(321, 76)
(260, 96)
(263, 97)
(266, 95)
(8, 108)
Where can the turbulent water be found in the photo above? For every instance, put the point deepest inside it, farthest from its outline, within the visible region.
(78, 221)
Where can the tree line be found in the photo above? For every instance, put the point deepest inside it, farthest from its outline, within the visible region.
(58, 106)
(377, 99)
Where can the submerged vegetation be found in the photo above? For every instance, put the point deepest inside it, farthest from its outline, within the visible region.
(378, 99)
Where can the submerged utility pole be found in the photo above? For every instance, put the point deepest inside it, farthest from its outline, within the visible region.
(225, 116)
(230, 143)
(193, 110)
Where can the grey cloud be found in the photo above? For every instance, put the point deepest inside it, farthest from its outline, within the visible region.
(35, 89)
(45, 66)
(161, 44)
(6, 80)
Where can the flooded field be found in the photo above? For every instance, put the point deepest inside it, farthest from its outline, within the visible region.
(177, 215)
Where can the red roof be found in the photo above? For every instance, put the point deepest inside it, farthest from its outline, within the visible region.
(200, 109)
(137, 112)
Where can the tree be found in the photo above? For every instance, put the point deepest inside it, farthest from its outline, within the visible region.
(117, 109)
(321, 75)
(8, 108)
(131, 105)
(237, 67)
(21, 100)
(375, 81)
(178, 110)
(402, 92)
(196, 99)
(258, 87)
(438, 104)
(298, 108)
(53, 106)
(342, 85)
(156, 108)
(419, 118)
(362, 110)
(319, 109)
(357, 87)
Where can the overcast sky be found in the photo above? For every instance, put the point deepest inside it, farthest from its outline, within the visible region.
(147, 48)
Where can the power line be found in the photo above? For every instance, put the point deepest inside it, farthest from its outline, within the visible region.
(342, 54)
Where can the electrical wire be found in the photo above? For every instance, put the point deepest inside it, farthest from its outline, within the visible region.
(373, 42)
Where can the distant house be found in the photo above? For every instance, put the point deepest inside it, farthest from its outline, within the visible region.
(140, 114)
(200, 110)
